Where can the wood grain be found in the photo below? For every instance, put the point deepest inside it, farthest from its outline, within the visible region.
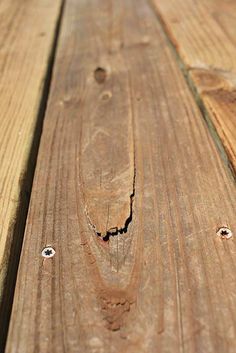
(203, 33)
(26, 37)
(168, 283)
(107, 155)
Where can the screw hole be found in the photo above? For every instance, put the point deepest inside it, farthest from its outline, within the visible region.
(48, 252)
(224, 233)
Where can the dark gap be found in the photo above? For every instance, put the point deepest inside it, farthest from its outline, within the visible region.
(100, 75)
(26, 185)
(123, 230)
(193, 89)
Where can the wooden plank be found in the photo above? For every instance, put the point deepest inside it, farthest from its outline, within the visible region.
(203, 33)
(107, 153)
(168, 283)
(26, 37)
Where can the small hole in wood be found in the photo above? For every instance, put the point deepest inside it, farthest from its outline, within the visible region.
(224, 233)
(100, 75)
(48, 252)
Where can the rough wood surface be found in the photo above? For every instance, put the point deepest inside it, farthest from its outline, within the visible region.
(26, 38)
(168, 283)
(106, 140)
(204, 34)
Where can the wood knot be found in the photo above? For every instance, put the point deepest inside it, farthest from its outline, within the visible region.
(100, 75)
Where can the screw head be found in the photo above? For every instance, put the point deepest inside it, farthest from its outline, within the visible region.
(224, 233)
(48, 252)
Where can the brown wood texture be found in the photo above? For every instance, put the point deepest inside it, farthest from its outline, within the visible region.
(26, 37)
(122, 129)
(204, 34)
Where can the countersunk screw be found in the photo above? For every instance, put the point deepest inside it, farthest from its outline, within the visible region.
(48, 252)
(224, 233)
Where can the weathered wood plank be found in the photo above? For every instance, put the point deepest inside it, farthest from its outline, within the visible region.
(27, 31)
(203, 33)
(106, 151)
(168, 283)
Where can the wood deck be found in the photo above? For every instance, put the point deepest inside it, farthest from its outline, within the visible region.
(129, 243)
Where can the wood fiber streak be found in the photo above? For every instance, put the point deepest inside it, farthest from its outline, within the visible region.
(204, 35)
(132, 128)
